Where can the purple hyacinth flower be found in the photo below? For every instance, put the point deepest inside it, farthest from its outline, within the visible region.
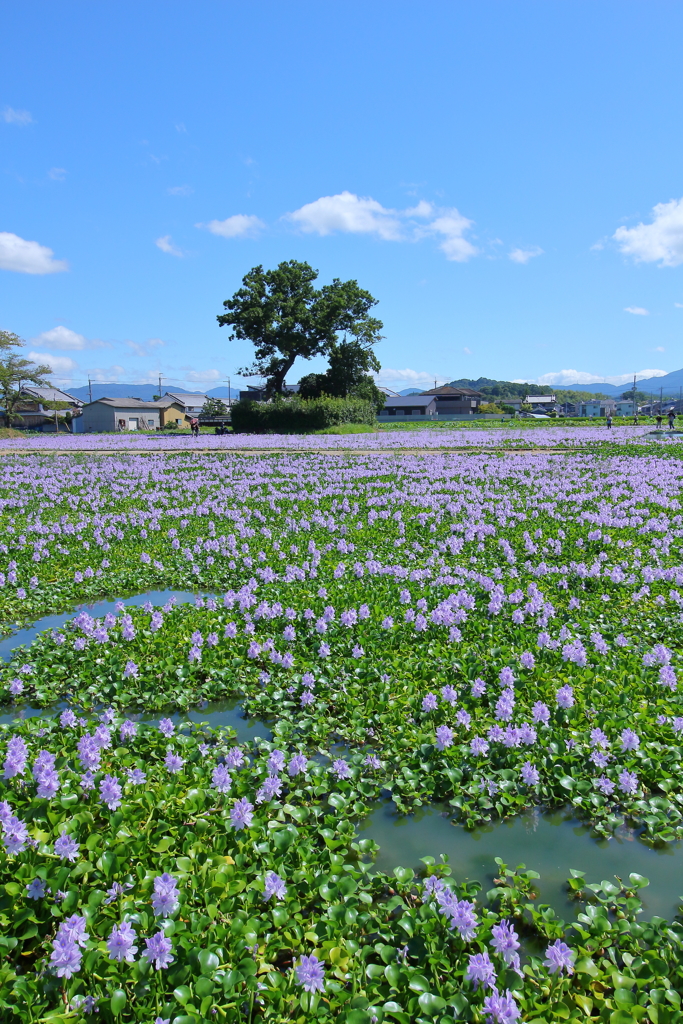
(121, 943)
(221, 779)
(372, 761)
(165, 896)
(481, 971)
(166, 727)
(478, 746)
(444, 737)
(276, 762)
(449, 694)
(505, 940)
(65, 959)
(429, 702)
(35, 890)
(297, 765)
(629, 740)
(340, 768)
(310, 973)
(527, 660)
(66, 847)
(158, 951)
(128, 729)
(530, 775)
(173, 762)
(110, 792)
(559, 958)
(136, 776)
(565, 697)
(272, 787)
(605, 785)
(131, 669)
(242, 813)
(478, 688)
(501, 1008)
(628, 782)
(274, 886)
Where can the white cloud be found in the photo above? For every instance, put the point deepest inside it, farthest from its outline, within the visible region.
(62, 338)
(467, 351)
(108, 374)
(166, 245)
(659, 349)
(416, 378)
(659, 242)
(524, 255)
(352, 214)
(567, 378)
(27, 257)
(348, 213)
(10, 116)
(678, 305)
(637, 310)
(59, 364)
(180, 190)
(203, 376)
(57, 173)
(240, 225)
(451, 225)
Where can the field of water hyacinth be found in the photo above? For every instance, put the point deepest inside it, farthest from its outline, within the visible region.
(485, 631)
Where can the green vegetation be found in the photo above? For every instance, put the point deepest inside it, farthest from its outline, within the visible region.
(298, 416)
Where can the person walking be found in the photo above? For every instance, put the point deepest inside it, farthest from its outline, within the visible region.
(194, 426)
(672, 419)
(635, 419)
(609, 420)
(659, 421)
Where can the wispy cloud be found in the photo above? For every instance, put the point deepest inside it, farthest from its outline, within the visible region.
(20, 117)
(567, 378)
(66, 340)
(165, 243)
(202, 376)
(660, 241)
(415, 378)
(637, 310)
(146, 349)
(57, 173)
(25, 257)
(180, 190)
(240, 225)
(59, 364)
(524, 255)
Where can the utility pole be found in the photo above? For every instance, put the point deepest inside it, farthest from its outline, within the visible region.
(229, 395)
(160, 376)
(90, 389)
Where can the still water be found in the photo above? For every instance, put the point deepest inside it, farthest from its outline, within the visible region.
(550, 844)
(95, 608)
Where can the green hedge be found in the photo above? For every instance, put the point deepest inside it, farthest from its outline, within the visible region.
(299, 415)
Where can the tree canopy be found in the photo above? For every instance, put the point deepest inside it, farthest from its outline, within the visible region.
(284, 316)
(214, 407)
(15, 372)
(348, 374)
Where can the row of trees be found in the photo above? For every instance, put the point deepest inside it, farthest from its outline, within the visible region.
(286, 317)
(15, 373)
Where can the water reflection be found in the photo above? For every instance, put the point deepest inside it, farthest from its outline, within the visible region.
(23, 637)
(550, 843)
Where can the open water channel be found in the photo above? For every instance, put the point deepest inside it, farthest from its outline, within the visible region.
(549, 843)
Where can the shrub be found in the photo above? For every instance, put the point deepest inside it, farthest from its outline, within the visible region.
(298, 416)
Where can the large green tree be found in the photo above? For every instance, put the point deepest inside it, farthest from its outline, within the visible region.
(285, 316)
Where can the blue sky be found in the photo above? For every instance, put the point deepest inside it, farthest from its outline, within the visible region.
(505, 177)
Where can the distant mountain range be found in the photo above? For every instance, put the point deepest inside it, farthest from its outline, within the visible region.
(145, 392)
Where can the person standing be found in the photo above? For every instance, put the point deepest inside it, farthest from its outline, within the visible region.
(194, 426)
(609, 420)
(659, 421)
(672, 419)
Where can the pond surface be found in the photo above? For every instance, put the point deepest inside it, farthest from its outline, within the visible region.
(550, 843)
(220, 713)
(23, 637)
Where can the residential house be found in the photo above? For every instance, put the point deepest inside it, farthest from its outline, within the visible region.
(191, 405)
(409, 405)
(452, 401)
(600, 407)
(171, 411)
(36, 416)
(107, 415)
(538, 403)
